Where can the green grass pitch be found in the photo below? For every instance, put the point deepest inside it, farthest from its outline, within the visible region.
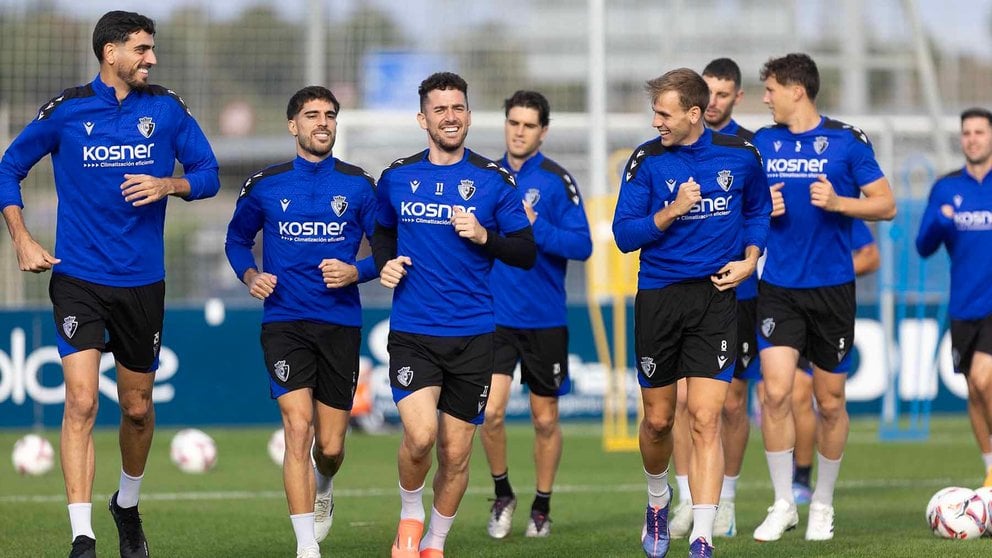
(238, 509)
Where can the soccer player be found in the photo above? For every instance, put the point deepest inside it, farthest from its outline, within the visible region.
(959, 215)
(723, 77)
(444, 215)
(114, 143)
(866, 259)
(531, 317)
(312, 212)
(824, 174)
(696, 205)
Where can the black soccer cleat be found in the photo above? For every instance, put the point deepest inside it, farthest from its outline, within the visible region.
(132, 538)
(83, 547)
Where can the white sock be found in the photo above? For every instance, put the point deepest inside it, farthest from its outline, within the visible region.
(987, 458)
(703, 516)
(729, 490)
(324, 484)
(79, 519)
(780, 469)
(303, 527)
(827, 471)
(685, 496)
(412, 506)
(127, 493)
(437, 531)
(658, 493)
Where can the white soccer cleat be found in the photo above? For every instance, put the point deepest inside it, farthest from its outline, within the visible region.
(312, 551)
(782, 516)
(725, 524)
(323, 515)
(501, 517)
(821, 522)
(680, 522)
(539, 525)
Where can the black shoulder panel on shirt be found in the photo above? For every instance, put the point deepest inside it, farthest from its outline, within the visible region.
(838, 125)
(483, 163)
(952, 174)
(159, 90)
(735, 141)
(649, 149)
(71, 93)
(262, 174)
(571, 190)
(354, 170)
(416, 157)
(744, 133)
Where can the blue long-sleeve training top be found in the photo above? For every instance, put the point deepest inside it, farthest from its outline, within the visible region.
(748, 289)
(94, 140)
(808, 246)
(967, 234)
(535, 298)
(307, 212)
(446, 292)
(733, 213)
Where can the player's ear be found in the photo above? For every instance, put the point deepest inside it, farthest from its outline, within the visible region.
(292, 127)
(110, 53)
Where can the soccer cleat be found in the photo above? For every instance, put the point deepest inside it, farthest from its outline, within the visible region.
(431, 553)
(539, 525)
(654, 534)
(725, 524)
(700, 549)
(801, 493)
(782, 517)
(681, 523)
(501, 516)
(83, 547)
(988, 477)
(132, 538)
(323, 515)
(312, 551)
(820, 526)
(407, 543)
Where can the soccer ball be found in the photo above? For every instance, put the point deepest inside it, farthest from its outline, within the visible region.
(277, 446)
(193, 451)
(33, 455)
(985, 493)
(958, 513)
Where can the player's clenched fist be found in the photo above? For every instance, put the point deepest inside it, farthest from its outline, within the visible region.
(688, 196)
(337, 273)
(260, 285)
(778, 200)
(468, 226)
(822, 195)
(394, 271)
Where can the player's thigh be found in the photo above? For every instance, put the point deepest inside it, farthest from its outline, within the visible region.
(780, 319)
(289, 356)
(831, 312)
(709, 346)
(467, 368)
(337, 352)
(544, 361)
(658, 328)
(80, 312)
(135, 325)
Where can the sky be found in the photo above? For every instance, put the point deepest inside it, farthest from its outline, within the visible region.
(957, 25)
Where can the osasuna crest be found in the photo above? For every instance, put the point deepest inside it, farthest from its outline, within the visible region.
(724, 179)
(339, 204)
(648, 366)
(146, 126)
(466, 189)
(777, 145)
(281, 369)
(532, 196)
(69, 325)
(767, 327)
(957, 200)
(820, 144)
(404, 376)
(671, 184)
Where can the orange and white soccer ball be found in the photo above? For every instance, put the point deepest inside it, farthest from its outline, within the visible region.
(957, 513)
(193, 451)
(33, 455)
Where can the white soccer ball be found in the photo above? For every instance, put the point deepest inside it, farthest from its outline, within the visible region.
(193, 451)
(985, 493)
(277, 446)
(33, 455)
(959, 513)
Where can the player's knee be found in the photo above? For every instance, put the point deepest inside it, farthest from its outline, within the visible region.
(453, 458)
(831, 408)
(545, 424)
(495, 417)
(419, 444)
(658, 425)
(332, 451)
(137, 411)
(705, 423)
(776, 400)
(734, 408)
(81, 407)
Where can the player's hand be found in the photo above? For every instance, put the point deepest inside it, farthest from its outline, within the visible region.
(687, 197)
(947, 210)
(143, 189)
(32, 257)
(822, 195)
(338, 274)
(733, 274)
(778, 200)
(529, 210)
(261, 285)
(467, 226)
(394, 271)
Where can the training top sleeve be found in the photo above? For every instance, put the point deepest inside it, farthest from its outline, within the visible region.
(633, 220)
(366, 266)
(863, 165)
(757, 206)
(39, 138)
(569, 238)
(934, 226)
(197, 158)
(241, 231)
(860, 235)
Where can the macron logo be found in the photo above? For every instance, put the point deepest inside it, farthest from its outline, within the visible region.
(284, 203)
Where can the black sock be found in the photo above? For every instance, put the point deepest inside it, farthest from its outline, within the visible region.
(542, 502)
(802, 474)
(503, 488)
